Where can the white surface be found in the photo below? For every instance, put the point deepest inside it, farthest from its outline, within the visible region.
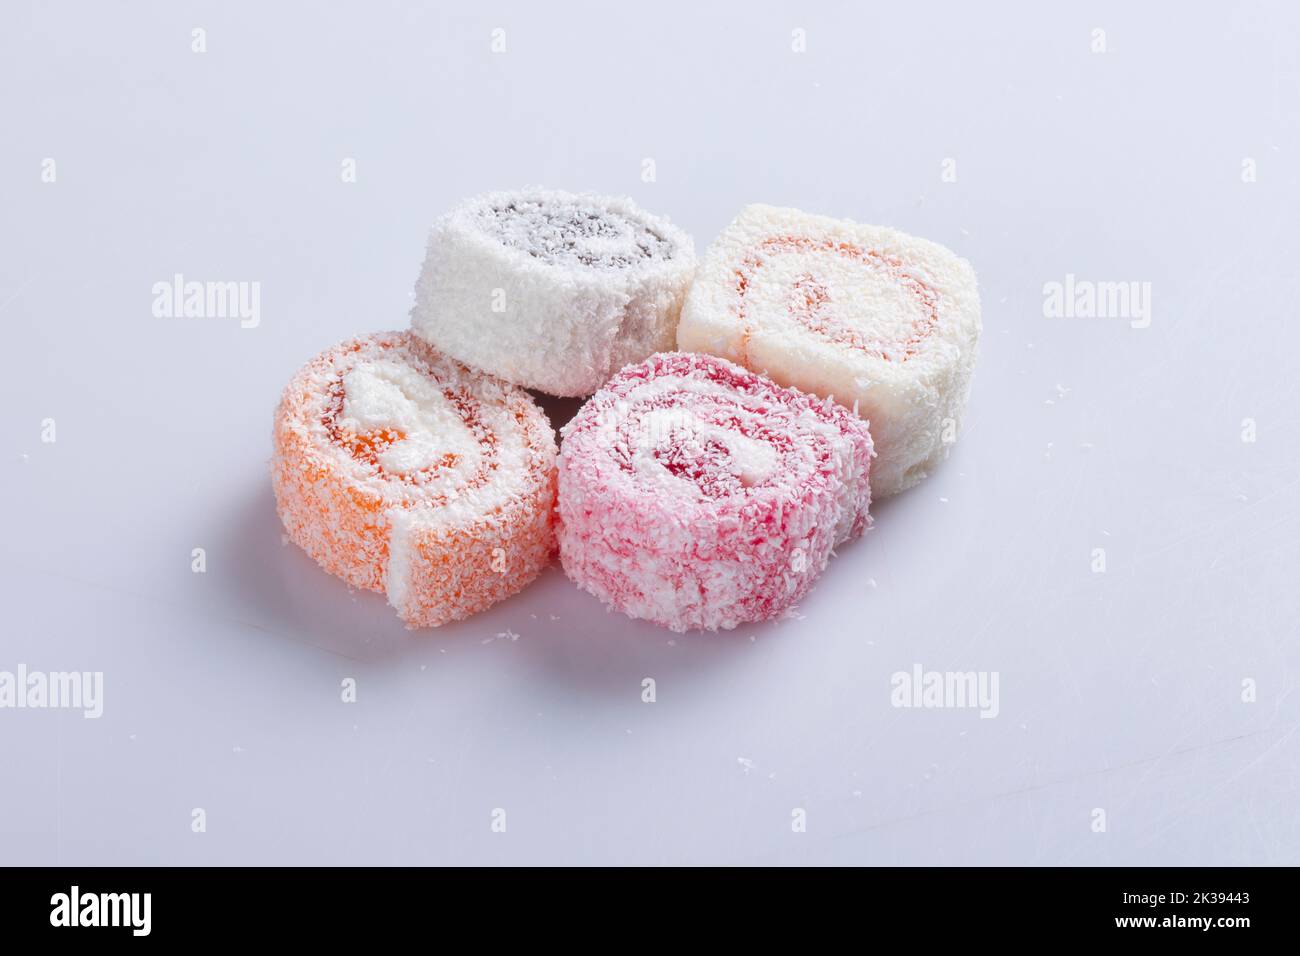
(1119, 690)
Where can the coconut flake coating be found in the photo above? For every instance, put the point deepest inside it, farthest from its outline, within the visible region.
(883, 322)
(551, 290)
(699, 495)
(399, 470)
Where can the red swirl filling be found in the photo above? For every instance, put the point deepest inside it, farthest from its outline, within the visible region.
(703, 460)
(810, 304)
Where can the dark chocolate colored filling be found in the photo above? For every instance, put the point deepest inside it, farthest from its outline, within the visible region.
(572, 234)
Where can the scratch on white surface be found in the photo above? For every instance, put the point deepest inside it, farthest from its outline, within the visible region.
(17, 292)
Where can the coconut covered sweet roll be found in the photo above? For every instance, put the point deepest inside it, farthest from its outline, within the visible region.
(551, 290)
(883, 322)
(401, 471)
(697, 494)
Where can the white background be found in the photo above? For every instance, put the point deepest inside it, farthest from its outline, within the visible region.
(1120, 691)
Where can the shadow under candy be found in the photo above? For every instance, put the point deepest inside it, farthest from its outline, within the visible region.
(564, 634)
